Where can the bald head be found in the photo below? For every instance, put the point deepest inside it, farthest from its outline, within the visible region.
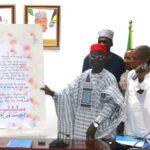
(143, 52)
(142, 55)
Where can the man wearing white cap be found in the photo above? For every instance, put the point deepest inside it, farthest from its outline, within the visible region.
(115, 63)
(41, 18)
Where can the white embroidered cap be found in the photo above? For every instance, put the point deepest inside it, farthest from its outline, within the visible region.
(40, 15)
(106, 33)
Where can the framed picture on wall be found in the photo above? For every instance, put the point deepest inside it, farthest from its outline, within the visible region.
(49, 19)
(7, 14)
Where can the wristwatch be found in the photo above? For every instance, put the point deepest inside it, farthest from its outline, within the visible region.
(95, 124)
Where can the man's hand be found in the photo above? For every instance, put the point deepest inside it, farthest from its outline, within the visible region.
(90, 134)
(47, 90)
(101, 145)
(142, 71)
(120, 129)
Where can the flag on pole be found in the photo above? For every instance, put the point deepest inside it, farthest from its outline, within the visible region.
(30, 11)
(53, 18)
(129, 45)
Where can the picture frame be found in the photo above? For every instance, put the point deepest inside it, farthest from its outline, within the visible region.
(37, 14)
(8, 14)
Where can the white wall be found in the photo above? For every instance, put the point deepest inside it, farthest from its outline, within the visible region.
(80, 22)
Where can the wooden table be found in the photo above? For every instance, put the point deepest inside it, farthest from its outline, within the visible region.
(43, 144)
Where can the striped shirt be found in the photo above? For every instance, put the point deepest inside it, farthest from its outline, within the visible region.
(90, 97)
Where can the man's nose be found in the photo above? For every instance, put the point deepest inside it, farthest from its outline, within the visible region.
(101, 42)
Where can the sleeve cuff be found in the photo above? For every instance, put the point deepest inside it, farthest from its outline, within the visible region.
(55, 97)
(99, 119)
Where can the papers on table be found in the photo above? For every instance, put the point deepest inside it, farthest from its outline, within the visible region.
(129, 141)
(20, 143)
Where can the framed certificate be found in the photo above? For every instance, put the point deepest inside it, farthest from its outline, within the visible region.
(7, 14)
(49, 19)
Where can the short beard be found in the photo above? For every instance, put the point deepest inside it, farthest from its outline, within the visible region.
(97, 70)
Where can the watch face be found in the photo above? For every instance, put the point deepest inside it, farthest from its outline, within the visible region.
(95, 124)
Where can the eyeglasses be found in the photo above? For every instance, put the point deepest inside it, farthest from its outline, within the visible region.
(104, 41)
(98, 57)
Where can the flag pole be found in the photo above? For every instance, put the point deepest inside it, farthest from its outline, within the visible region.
(130, 44)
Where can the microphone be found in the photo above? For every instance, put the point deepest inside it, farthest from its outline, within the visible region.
(147, 64)
(60, 142)
(144, 138)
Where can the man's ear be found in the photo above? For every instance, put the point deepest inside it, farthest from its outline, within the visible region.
(111, 44)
